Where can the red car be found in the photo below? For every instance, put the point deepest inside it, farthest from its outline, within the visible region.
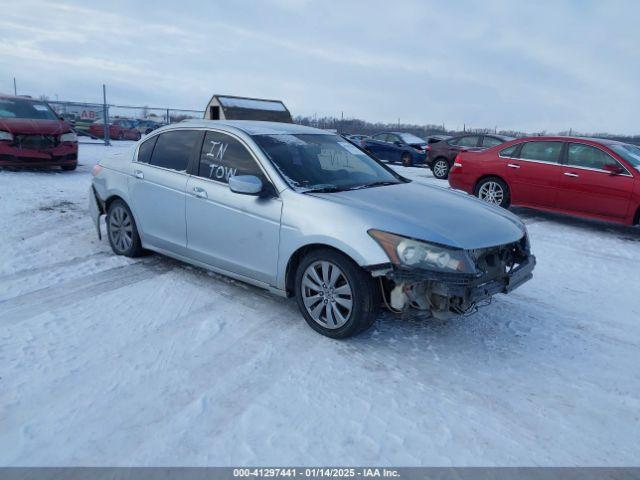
(119, 129)
(32, 135)
(591, 178)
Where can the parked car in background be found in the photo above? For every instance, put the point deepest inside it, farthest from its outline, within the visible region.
(356, 138)
(145, 127)
(119, 129)
(304, 213)
(401, 147)
(588, 177)
(442, 154)
(32, 135)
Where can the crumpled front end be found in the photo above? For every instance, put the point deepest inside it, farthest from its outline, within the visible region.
(499, 269)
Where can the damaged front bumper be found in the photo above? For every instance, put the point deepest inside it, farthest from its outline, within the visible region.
(445, 295)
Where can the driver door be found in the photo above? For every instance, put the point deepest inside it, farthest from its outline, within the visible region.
(585, 186)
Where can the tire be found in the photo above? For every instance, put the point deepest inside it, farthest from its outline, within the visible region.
(68, 168)
(406, 160)
(493, 190)
(440, 168)
(120, 136)
(340, 309)
(122, 230)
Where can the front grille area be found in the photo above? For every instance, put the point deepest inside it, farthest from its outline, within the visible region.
(35, 142)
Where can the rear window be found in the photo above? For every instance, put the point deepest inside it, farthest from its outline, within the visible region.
(509, 151)
(541, 151)
(18, 108)
(146, 149)
(173, 149)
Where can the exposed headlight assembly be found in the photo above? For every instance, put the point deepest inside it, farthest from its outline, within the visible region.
(411, 253)
(69, 137)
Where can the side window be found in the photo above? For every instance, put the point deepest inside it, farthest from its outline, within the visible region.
(381, 137)
(541, 151)
(509, 151)
(223, 156)
(392, 138)
(471, 141)
(146, 149)
(580, 155)
(173, 149)
(491, 141)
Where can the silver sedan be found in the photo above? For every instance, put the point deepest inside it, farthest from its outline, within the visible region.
(303, 212)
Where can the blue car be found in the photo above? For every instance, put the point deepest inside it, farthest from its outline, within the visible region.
(405, 148)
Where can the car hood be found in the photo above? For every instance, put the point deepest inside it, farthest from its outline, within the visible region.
(32, 126)
(432, 214)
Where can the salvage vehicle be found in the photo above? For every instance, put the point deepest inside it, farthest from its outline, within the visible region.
(119, 129)
(587, 177)
(32, 135)
(401, 147)
(440, 155)
(304, 213)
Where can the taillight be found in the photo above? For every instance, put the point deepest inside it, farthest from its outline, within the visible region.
(458, 161)
(95, 171)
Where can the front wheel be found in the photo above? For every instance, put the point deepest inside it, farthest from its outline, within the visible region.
(336, 297)
(68, 168)
(407, 161)
(495, 191)
(122, 230)
(440, 169)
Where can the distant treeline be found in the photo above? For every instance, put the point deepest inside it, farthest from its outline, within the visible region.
(357, 126)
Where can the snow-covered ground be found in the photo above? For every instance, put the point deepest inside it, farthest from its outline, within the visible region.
(110, 361)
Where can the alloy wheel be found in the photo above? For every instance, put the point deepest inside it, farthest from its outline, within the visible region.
(440, 169)
(491, 192)
(327, 294)
(121, 229)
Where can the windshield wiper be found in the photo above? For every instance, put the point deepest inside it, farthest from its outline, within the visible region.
(327, 189)
(373, 184)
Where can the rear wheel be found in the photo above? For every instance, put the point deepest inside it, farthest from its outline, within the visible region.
(122, 230)
(440, 169)
(336, 297)
(406, 159)
(495, 191)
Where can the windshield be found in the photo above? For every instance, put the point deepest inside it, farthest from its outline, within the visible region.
(411, 138)
(323, 162)
(631, 153)
(18, 108)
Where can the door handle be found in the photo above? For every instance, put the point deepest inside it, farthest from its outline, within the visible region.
(200, 192)
(138, 174)
(574, 175)
(512, 165)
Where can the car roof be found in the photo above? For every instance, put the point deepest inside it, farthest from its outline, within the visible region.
(256, 127)
(560, 138)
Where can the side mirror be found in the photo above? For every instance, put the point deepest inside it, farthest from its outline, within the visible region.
(398, 143)
(245, 184)
(613, 169)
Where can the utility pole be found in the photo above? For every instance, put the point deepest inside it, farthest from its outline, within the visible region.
(105, 115)
(15, 89)
(341, 122)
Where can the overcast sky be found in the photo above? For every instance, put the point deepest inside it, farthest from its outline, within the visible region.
(528, 66)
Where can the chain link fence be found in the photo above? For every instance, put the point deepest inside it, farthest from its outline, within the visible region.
(104, 122)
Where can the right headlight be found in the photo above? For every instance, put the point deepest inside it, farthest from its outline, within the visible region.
(412, 253)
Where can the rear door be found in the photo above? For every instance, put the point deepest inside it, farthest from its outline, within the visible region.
(379, 146)
(157, 187)
(234, 232)
(395, 147)
(534, 176)
(586, 187)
